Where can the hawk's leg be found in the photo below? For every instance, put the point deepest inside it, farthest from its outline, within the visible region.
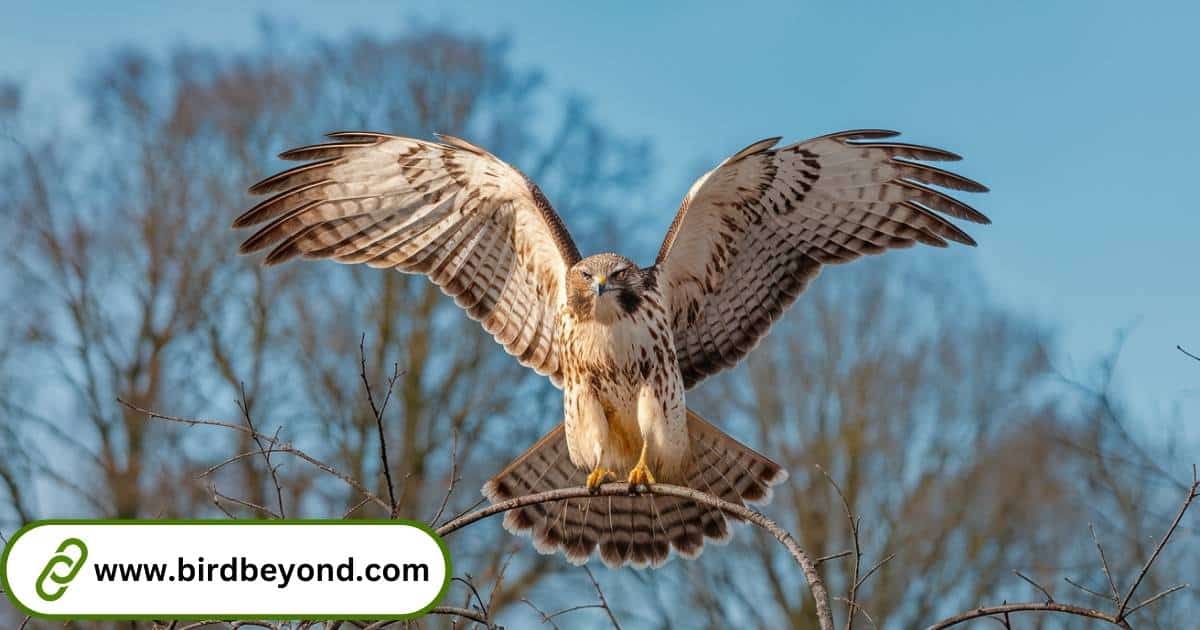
(640, 475)
(597, 477)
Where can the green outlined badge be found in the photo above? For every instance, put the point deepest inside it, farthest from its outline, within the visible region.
(61, 558)
(209, 569)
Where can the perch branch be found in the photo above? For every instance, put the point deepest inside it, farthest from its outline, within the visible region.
(815, 583)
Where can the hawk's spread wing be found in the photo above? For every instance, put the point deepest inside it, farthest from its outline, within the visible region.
(752, 232)
(474, 225)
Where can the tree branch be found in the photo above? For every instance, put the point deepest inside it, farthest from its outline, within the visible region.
(815, 583)
(378, 412)
(1187, 502)
(1056, 607)
(1122, 612)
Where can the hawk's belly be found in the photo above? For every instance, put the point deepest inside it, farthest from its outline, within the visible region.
(622, 388)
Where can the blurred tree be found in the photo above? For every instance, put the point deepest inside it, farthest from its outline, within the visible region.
(944, 422)
(126, 283)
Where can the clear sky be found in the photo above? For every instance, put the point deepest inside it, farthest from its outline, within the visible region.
(1083, 117)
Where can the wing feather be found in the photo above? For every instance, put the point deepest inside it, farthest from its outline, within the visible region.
(754, 231)
(477, 227)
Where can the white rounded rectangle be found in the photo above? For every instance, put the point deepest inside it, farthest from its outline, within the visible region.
(80, 569)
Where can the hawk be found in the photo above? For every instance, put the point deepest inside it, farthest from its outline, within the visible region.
(623, 342)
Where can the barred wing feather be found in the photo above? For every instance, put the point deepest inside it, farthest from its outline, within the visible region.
(755, 230)
(474, 225)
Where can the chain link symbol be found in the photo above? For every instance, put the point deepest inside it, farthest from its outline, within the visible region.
(60, 558)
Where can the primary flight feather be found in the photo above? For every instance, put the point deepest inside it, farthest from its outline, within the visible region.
(623, 342)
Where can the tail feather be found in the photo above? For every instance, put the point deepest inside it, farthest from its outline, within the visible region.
(639, 530)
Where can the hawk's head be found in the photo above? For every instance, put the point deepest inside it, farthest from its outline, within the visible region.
(605, 287)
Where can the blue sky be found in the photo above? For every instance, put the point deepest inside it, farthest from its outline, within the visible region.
(1084, 118)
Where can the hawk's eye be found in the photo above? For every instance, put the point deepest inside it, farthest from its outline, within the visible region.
(586, 275)
(620, 272)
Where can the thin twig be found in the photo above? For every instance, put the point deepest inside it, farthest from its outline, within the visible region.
(188, 421)
(1180, 348)
(863, 580)
(1151, 600)
(277, 446)
(378, 411)
(833, 556)
(852, 590)
(470, 583)
(603, 600)
(1049, 597)
(860, 608)
(1086, 589)
(354, 508)
(1187, 502)
(248, 504)
(541, 614)
(453, 477)
(244, 405)
(1104, 564)
(212, 493)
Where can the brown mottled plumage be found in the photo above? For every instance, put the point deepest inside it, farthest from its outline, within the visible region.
(623, 342)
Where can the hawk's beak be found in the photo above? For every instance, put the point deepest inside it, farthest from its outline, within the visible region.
(598, 284)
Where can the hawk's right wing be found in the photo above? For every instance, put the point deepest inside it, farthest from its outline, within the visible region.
(752, 232)
(474, 225)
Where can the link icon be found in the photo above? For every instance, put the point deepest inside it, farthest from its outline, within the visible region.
(72, 564)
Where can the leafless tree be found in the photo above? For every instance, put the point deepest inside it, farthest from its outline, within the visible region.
(122, 282)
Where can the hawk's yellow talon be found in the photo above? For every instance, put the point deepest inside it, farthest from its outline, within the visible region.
(640, 475)
(597, 477)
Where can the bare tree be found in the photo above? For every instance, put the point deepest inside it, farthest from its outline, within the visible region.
(125, 283)
(946, 425)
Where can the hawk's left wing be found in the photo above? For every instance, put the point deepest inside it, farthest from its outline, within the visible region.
(472, 224)
(752, 232)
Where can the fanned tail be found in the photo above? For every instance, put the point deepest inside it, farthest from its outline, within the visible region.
(639, 530)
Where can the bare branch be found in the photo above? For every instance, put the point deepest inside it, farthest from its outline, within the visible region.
(1049, 597)
(277, 446)
(1123, 611)
(863, 580)
(603, 599)
(1004, 609)
(470, 583)
(1086, 589)
(546, 618)
(244, 405)
(1180, 348)
(1104, 564)
(833, 556)
(852, 606)
(378, 411)
(453, 478)
(242, 502)
(1151, 600)
(465, 613)
(1187, 502)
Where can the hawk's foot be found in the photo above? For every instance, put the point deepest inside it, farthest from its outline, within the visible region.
(639, 476)
(597, 477)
